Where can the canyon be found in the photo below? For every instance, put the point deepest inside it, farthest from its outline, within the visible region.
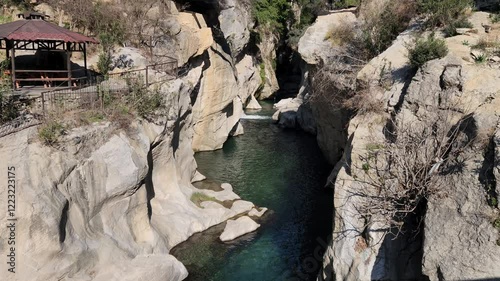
(110, 201)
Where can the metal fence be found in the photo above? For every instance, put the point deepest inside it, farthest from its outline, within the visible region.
(22, 122)
(88, 94)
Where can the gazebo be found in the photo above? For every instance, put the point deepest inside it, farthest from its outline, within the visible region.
(34, 33)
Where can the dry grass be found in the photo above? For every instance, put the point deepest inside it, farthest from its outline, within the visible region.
(341, 35)
(487, 42)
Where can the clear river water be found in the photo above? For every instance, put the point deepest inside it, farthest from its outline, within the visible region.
(284, 171)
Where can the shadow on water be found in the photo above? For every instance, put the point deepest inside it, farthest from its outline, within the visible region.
(284, 171)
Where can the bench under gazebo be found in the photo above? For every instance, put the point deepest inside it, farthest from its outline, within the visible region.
(53, 45)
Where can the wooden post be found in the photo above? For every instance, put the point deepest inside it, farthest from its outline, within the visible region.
(13, 64)
(43, 103)
(68, 55)
(85, 60)
(147, 78)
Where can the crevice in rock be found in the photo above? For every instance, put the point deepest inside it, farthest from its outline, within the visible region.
(486, 175)
(400, 257)
(440, 274)
(178, 125)
(288, 71)
(63, 222)
(404, 91)
(228, 110)
(210, 10)
(148, 182)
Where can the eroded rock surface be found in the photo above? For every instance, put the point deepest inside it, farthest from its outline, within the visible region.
(237, 228)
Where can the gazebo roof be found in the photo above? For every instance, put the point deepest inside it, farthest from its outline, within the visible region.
(40, 30)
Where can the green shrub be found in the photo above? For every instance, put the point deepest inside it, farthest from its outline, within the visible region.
(50, 132)
(365, 167)
(496, 223)
(149, 104)
(495, 17)
(451, 29)
(199, 197)
(9, 109)
(378, 33)
(427, 49)
(480, 58)
(443, 12)
(309, 10)
(345, 3)
(92, 116)
(144, 102)
(104, 62)
(274, 14)
(262, 73)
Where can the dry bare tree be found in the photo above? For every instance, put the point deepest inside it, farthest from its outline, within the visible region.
(412, 165)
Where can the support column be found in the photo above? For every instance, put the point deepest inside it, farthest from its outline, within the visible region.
(85, 60)
(13, 64)
(68, 57)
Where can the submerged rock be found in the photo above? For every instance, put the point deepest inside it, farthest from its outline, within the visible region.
(237, 228)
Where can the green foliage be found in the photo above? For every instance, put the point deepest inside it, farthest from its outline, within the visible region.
(443, 12)
(427, 49)
(379, 32)
(451, 29)
(374, 146)
(262, 74)
(309, 10)
(493, 202)
(145, 103)
(365, 167)
(9, 109)
(199, 197)
(495, 17)
(23, 5)
(480, 58)
(50, 132)
(5, 18)
(345, 3)
(104, 62)
(496, 223)
(465, 43)
(273, 14)
(92, 116)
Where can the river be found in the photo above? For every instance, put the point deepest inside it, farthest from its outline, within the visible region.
(284, 171)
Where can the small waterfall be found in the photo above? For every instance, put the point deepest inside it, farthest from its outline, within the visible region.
(255, 117)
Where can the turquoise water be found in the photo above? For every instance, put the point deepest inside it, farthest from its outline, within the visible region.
(284, 171)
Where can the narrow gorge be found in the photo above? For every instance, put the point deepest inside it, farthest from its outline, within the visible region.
(296, 140)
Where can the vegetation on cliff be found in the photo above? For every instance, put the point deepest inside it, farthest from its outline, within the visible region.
(424, 50)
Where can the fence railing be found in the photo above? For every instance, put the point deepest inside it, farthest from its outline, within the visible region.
(88, 94)
(22, 122)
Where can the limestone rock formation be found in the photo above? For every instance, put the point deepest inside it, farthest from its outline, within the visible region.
(217, 108)
(237, 228)
(108, 203)
(456, 239)
(193, 36)
(267, 47)
(236, 22)
(317, 116)
(315, 45)
(255, 213)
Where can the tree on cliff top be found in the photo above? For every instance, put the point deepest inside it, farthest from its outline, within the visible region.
(273, 14)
